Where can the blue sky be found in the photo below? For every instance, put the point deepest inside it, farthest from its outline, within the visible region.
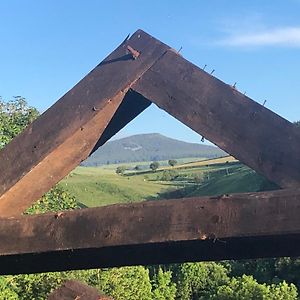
(48, 46)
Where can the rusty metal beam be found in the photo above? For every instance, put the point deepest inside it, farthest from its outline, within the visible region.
(54, 144)
(245, 129)
(234, 226)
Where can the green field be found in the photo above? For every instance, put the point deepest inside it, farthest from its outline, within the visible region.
(98, 186)
(145, 164)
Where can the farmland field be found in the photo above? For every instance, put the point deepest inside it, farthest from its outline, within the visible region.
(98, 186)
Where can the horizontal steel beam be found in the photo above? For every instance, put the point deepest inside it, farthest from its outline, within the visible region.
(234, 226)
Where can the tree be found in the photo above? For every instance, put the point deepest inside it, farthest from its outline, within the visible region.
(154, 166)
(288, 268)
(172, 162)
(262, 270)
(162, 286)
(200, 280)
(36, 286)
(168, 175)
(246, 287)
(7, 291)
(57, 199)
(121, 170)
(14, 116)
(126, 283)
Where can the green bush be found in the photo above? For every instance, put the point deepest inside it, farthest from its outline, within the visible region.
(200, 280)
(162, 286)
(121, 170)
(154, 166)
(247, 288)
(168, 175)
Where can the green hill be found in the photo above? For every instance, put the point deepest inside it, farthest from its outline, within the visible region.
(97, 186)
(149, 147)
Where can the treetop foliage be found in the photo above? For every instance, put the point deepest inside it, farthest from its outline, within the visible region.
(121, 170)
(14, 116)
(172, 162)
(154, 165)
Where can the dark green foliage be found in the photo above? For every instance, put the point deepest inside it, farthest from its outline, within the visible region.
(126, 283)
(121, 170)
(288, 268)
(247, 288)
(7, 290)
(36, 286)
(168, 175)
(199, 280)
(162, 286)
(269, 270)
(154, 165)
(172, 162)
(14, 116)
(263, 270)
(56, 199)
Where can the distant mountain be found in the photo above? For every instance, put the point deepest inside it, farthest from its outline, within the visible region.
(149, 147)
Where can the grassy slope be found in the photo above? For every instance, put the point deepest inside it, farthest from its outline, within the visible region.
(97, 186)
(145, 164)
(240, 179)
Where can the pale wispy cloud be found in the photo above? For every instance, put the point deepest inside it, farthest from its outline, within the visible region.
(282, 37)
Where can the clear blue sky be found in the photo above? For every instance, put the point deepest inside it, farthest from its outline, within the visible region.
(48, 46)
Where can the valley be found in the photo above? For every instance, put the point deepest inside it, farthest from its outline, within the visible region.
(98, 186)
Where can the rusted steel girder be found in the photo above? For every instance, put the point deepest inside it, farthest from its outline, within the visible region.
(234, 226)
(82, 120)
(243, 128)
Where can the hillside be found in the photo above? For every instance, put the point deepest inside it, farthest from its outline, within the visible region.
(149, 147)
(102, 186)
